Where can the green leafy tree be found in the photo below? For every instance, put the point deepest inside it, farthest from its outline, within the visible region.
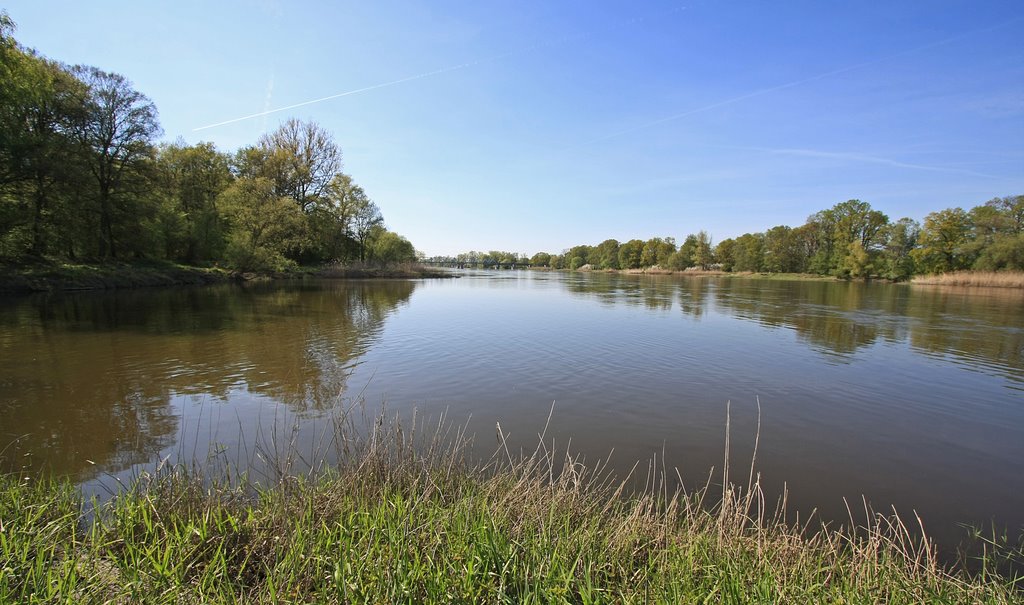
(657, 252)
(748, 252)
(944, 240)
(577, 256)
(857, 262)
(387, 247)
(606, 254)
(366, 217)
(301, 158)
(541, 259)
(703, 254)
(783, 252)
(191, 177)
(118, 131)
(40, 104)
(725, 252)
(263, 225)
(900, 240)
(631, 254)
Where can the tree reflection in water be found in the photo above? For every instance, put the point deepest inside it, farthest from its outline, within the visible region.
(90, 380)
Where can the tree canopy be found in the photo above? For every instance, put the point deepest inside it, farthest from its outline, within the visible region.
(83, 177)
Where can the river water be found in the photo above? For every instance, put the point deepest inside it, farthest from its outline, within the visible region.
(905, 396)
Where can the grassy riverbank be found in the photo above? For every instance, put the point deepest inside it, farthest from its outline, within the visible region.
(47, 276)
(975, 279)
(405, 521)
(733, 274)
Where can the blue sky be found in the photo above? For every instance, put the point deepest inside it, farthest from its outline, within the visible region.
(534, 126)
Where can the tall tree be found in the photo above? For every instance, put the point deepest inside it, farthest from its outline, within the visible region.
(900, 240)
(365, 217)
(39, 103)
(302, 159)
(263, 225)
(191, 177)
(118, 129)
(703, 254)
(943, 241)
(631, 254)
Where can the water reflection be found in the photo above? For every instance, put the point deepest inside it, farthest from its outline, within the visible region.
(839, 318)
(91, 378)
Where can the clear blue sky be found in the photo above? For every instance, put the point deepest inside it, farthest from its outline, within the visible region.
(541, 125)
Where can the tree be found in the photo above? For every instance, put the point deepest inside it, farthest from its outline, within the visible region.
(682, 258)
(263, 225)
(606, 254)
(631, 254)
(748, 252)
(1011, 207)
(725, 252)
(703, 255)
(900, 240)
(365, 216)
(118, 129)
(389, 247)
(857, 262)
(191, 178)
(301, 158)
(40, 101)
(541, 259)
(657, 251)
(943, 239)
(782, 250)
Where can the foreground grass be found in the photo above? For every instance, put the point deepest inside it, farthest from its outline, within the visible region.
(982, 279)
(399, 521)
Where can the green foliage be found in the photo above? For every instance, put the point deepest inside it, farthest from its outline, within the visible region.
(388, 247)
(631, 254)
(81, 178)
(748, 253)
(725, 252)
(944, 242)
(657, 252)
(190, 178)
(540, 259)
(1006, 252)
(606, 255)
(900, 240)
(262, 225)
(702, 255)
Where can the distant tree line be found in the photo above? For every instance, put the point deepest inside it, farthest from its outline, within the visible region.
(83, 178)
(849, 239)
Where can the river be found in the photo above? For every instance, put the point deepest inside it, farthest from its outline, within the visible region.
(908, 397)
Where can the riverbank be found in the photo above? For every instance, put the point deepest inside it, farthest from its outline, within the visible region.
(735, 275)
(973, 279)
(44, 276)
(406, 519)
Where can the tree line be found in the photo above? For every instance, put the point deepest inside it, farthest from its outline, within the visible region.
(83, 178)
(850, 239)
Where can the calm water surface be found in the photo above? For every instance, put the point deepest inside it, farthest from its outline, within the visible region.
(911, 397)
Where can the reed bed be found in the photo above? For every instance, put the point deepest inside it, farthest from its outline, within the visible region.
(404, 517)
(979, 279)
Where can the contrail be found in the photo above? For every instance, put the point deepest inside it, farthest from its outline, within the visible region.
(444, 70)
(860, 157)
(794, 83)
